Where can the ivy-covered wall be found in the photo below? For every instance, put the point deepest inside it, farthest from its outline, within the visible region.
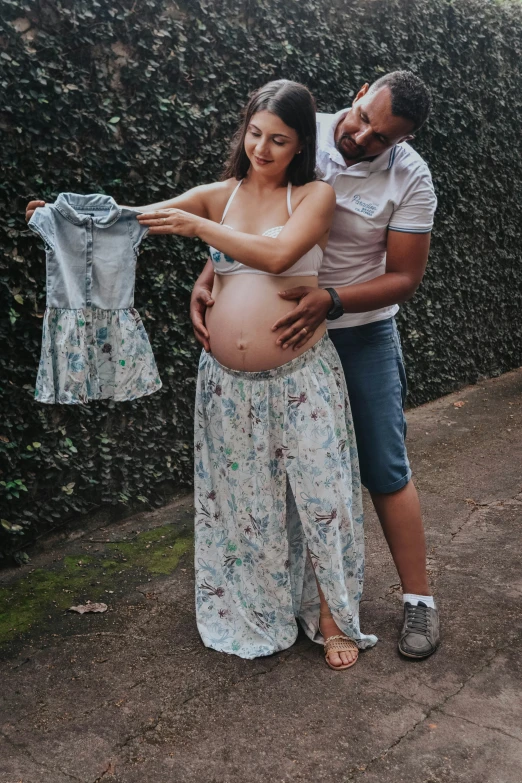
(138, 100)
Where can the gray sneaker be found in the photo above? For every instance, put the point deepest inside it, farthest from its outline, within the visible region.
(420, 635)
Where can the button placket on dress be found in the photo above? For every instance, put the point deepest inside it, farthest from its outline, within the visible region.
(93, 380)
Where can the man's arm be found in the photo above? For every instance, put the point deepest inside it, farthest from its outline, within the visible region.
(406, 258)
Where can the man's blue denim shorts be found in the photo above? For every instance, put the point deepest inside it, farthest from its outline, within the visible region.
(373, 364)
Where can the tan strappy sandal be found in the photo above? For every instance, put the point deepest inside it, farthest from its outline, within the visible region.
(338, 643)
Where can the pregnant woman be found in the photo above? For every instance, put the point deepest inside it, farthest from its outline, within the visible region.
(279, 531)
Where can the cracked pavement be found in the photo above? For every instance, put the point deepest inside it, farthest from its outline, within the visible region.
(132, 695)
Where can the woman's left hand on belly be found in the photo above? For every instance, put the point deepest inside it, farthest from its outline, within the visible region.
(171, 221)
(299, 324)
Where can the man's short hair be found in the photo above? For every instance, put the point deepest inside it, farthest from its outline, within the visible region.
(409, 96)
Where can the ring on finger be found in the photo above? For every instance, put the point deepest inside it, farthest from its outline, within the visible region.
(304, 330)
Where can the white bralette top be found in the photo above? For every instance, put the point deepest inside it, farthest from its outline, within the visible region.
(225, 265)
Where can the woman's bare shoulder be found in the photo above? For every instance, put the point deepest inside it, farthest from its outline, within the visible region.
(215, 195)
(321, 187)
(217, 189)
(318, 190)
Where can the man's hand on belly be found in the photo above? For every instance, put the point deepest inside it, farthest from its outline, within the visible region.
(301, 322)
(201, 299)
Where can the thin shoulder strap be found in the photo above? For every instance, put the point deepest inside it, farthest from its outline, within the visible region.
(289, 198)
(230, 200)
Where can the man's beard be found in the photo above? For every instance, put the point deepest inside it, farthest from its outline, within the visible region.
(355, 155)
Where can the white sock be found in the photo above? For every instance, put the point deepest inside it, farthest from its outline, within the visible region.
(413, 599)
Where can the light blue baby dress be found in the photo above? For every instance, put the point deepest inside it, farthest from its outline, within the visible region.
(94, 344)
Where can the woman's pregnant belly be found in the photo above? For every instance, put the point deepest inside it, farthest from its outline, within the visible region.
(241, 319)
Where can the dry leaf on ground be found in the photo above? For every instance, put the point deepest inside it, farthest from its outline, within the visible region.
(88, 607)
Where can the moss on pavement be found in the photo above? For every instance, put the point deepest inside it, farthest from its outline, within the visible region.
(41, 595)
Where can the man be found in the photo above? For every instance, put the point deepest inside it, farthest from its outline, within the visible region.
(375, 258)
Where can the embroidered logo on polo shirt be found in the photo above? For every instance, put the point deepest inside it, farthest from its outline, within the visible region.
(363, 207)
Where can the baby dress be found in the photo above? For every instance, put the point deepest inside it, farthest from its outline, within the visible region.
(94, 344)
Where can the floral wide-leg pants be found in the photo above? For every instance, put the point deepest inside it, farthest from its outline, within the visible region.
(278, 503)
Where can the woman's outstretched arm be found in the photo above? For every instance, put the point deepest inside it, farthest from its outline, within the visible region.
(307, 226)
(195, 201)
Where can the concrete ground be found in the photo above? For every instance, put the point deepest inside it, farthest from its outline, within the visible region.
(132, 696)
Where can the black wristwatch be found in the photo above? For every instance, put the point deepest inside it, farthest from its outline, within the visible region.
(337, 310)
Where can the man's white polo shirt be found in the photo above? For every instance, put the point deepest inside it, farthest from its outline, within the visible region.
(393, 191)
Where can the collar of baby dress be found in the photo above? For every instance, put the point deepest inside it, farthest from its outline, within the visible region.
(80, 209)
